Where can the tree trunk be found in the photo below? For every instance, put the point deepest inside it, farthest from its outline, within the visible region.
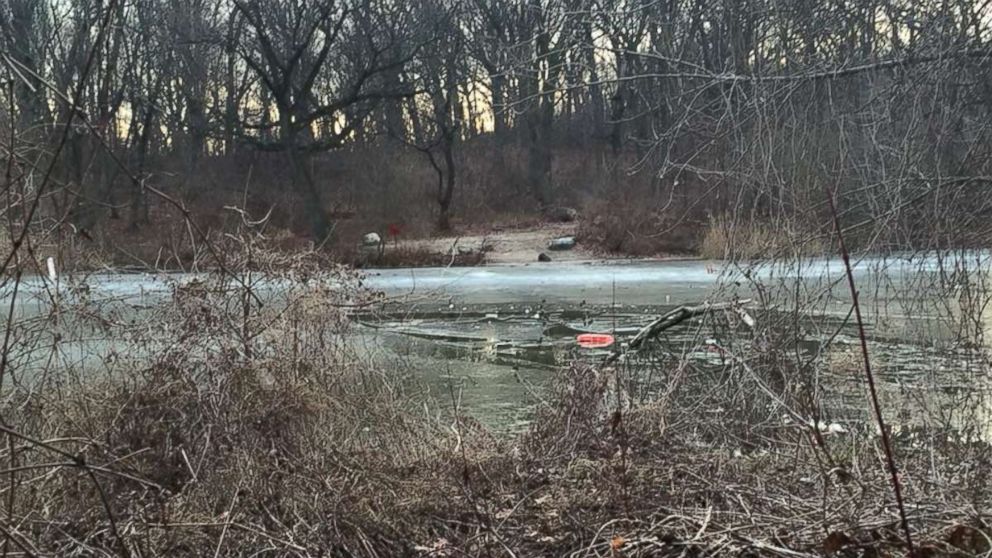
(231, 116)
(540, 121)
(393, 108)
(299, 162)
(539, 156)
(448, 188)
(500, 124)
(138, 214)
(597, 105)
(198, 125)
(320, 225)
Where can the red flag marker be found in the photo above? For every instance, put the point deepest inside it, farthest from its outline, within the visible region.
(594, 340)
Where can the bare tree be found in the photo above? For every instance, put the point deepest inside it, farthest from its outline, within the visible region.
(442, 73)
(24, 29)
(324, 61)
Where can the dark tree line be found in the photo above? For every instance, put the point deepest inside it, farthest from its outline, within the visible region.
(720, 105)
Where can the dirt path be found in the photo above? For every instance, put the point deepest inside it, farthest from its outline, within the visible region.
(510, 246)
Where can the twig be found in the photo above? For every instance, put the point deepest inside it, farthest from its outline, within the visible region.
(876, 406)
(230, 511)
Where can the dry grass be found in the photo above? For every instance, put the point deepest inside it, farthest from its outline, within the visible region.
(229, 460)
(411, 255)
(728, 239)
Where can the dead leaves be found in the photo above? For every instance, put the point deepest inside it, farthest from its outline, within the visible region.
(616, 544)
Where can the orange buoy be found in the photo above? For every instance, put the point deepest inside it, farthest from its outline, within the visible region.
(594, 340)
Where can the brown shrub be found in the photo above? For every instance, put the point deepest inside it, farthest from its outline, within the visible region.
(636, 229)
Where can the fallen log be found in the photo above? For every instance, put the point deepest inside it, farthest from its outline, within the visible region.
(679, 315)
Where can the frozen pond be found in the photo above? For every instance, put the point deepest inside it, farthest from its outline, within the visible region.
(498, 331)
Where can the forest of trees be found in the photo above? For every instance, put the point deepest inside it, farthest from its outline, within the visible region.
(662, 110)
